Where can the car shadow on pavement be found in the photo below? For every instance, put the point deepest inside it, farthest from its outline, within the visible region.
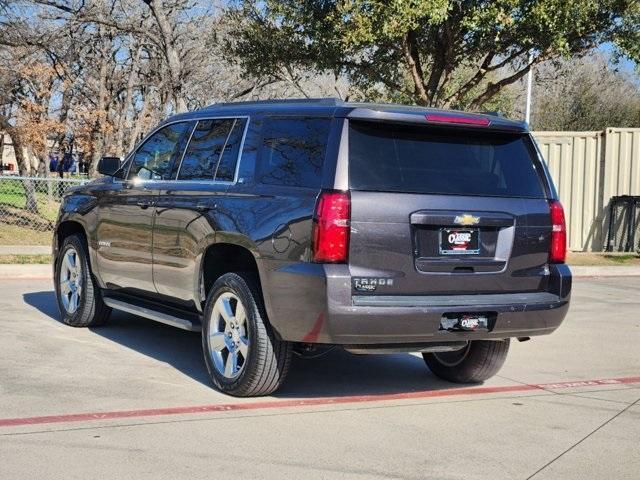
(175, 347)
(339, 373)
(336, 373)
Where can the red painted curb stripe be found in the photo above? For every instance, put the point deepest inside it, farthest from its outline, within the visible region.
(84, 417)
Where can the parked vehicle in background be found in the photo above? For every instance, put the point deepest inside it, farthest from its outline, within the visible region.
(282, 225)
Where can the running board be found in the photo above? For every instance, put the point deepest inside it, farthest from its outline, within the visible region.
(154, 315)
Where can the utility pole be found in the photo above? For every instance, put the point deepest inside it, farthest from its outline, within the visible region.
(527, 111)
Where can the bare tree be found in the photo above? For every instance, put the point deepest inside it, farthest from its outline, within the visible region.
(584, 94)
(167, 40)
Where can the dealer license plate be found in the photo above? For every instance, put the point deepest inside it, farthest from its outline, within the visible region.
(458, 241)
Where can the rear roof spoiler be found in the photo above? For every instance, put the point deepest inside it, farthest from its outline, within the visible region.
(439, 118)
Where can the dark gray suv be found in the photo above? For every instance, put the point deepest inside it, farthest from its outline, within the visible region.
(294, 225)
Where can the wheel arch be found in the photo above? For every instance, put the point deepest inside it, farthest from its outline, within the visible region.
(69, 227)
(64, 229)
(225, 257)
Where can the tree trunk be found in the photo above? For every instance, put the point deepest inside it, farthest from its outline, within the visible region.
(171, 54)
(137, 120)
(42, 159)
(97, 133)
(415, 68)
(2, 153)
(127, 102)
(65, 106)
(31, 203)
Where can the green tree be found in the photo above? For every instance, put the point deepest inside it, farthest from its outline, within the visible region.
(444, 53)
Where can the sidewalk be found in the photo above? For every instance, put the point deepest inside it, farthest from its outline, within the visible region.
(27, 271)
(605, 271)
(25, 249)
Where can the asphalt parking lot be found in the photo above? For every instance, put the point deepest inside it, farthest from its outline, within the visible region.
(132, 400)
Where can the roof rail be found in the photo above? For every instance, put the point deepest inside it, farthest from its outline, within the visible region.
(328, 101)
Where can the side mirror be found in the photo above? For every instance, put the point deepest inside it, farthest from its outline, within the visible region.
(109, 166)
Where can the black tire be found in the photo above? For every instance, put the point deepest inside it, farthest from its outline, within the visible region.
(90, 311)
(477, 362)
(268, 358)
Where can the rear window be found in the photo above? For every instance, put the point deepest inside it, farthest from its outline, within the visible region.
(394, 158)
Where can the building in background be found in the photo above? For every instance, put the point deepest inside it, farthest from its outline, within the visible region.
(72, 164)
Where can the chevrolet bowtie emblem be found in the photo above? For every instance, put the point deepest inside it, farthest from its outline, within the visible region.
(466, 219)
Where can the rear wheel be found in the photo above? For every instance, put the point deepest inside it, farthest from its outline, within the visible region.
(243, 356)
(477, 362)
(79, 298)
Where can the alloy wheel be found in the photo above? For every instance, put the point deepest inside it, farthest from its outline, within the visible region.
(228, 335)
(70, 280)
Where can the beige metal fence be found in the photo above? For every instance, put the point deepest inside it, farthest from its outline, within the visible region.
(589, 168)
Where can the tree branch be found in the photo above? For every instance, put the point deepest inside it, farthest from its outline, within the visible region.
(412, 57)
(252, 89)
(493, 88)
(60, 6)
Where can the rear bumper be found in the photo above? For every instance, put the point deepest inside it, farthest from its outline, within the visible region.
(374, 320)
(315, 305)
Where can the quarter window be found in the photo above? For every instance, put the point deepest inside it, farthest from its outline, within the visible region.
(213, 150)
(154, 158)
(293, 151)
(226, 170)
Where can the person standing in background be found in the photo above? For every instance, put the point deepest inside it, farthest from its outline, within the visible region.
(53, 163)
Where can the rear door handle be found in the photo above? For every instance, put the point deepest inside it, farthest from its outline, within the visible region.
(204, 206)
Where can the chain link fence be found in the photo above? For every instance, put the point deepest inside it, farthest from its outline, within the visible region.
(29, 207)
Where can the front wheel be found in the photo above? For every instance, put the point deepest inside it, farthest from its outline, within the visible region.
(242, 353)
(79, 298)
(475, 363)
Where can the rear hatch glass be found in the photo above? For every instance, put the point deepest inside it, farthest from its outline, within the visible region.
(445, 211)
(398, 158)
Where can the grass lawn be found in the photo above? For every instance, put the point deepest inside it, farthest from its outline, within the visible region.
(12, 195)
(602, 259)
(25, 259)
(17, 235)
(22, 227)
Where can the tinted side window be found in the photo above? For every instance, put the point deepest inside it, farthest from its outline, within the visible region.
(293, 151)
(227, 165)
(205, 148)
(154, 158)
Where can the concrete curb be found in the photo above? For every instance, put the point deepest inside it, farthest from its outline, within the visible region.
(44, 271)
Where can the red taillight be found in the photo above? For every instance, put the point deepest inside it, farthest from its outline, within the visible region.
(558, 247)
(457, 119)
(331, 227)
